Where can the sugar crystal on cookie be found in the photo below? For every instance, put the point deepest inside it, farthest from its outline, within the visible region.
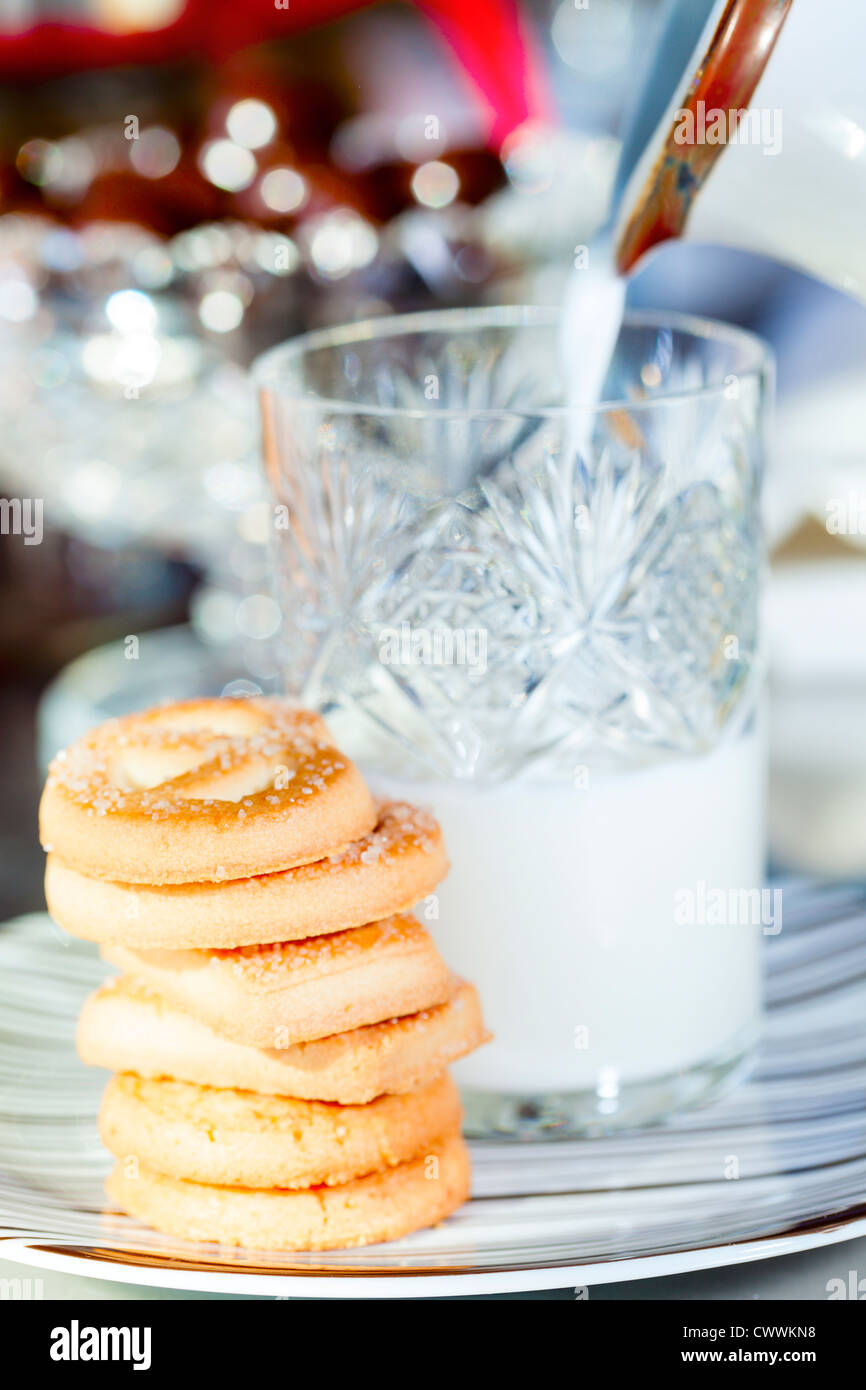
(282, 1030)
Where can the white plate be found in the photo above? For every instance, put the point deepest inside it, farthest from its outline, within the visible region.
(776, 1167)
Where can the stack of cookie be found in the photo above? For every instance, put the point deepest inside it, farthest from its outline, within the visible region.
(281, 1030)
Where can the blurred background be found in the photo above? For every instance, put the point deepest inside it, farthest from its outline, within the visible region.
(184, 183)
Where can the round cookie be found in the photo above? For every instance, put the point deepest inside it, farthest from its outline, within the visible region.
(203, 790)
(294, 991)
(127, 1028)
(383, 1206)
(387, 871)
(240, 1139)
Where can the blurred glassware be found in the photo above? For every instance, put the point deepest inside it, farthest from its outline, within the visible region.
(124, 403)
(558, 195)
(177, 663)
(106, 380)
(122, 395)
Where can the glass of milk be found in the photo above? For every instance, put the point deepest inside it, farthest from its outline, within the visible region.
(527, 597)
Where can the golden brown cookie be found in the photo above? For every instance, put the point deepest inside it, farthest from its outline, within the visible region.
(125, 1027)
(295, 991)
(203, 790)
(380, 1207)
(398, 863)
(241, 1139)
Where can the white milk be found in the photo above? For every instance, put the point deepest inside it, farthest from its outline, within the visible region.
(592, 311)
(562, 906)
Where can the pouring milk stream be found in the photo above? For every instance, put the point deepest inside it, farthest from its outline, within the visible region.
(559, 901)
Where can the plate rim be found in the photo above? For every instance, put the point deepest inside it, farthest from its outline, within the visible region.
(57, 1260)
(171, 1271)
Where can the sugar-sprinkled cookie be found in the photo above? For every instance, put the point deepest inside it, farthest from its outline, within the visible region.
(126, 1027)
(389, 870)
(281, 1035)
(295, 991)
(241, 1139)
(203, 790)
(380, 1207)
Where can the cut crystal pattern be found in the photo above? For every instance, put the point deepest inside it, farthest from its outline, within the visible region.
(554, 593)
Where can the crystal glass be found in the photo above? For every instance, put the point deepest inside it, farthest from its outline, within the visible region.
(540, 618)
